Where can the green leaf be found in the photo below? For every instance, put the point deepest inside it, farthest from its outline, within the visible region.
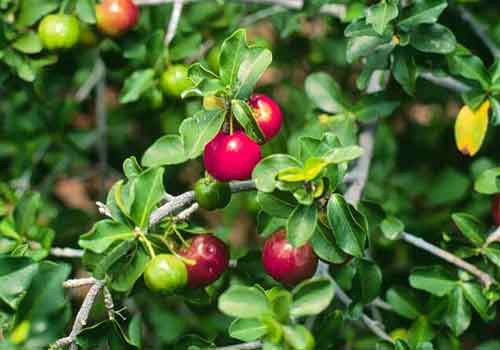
(244, 114)
(298, 337)
(380, 15)
(495, 111)
(25, 213)
(404, 70)
(28, 43)
(474, 98)
(458, 315)
(136, 85)
(368, 281)
(85, 9)
(251, 69)
(372, 106)
(359, 28)
(16, 274)
(433, 279)
(281, 300)
(268, 168)
(449, 186)
(392, 227)
(404, 302)
(149, 190)
(492, 252)
(301, 224)
(131, 167)
(422, 11)
(112, 256)
(470, 67)
(324, 246)
(311, 297)
(104, 234)
(433, 38)
(325, 93)
(349, 235)
(32, 10)
(128, 269)
(474, 295)
(188, 46)
(244, 302)
(420, 332)
(362, 46)
(470, 227)
(167, 150)
(199, 130)
(277, 204)
(247, 329)
(111, 203)
(292, 174)
(488, 182)
(343, 154)
(233, 52)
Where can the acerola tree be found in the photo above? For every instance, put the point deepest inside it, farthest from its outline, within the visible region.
(246, 174)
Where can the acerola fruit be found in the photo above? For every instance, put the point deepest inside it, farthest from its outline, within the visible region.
(175, 80)
(495, 207)
(231, 156)
(210, 257)
(59, 31)
(268, 115)
(211, 194)
(115, 17)
(288, 264)
(165, 273)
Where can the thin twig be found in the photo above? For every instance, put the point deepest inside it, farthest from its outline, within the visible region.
(103, 209)
(207, 45)
(486, 279)
(186, 213)
(80, 282)
(66, 252)
(264, 13)
(446, 82)
(81, 317)
(87, 87)
(102, 126)
(480, 30)
(108, 303)
(493, 237)
(174, 21)
(242, 346)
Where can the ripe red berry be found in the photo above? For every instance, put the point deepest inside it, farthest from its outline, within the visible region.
(495, 207)
(116, 16)
(288, 264)
(231, 156)
(268, 115)
(210, 257)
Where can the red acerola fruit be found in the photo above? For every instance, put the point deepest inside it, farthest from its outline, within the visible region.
(116, 16)
(268, 115)
(210, 257)
(288, 264)
(495, 207)
(231, 156)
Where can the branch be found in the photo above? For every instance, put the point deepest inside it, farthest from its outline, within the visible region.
(493, 237)
(446, 82)
(102, 124)
(186, 213)
(81, 317)
(66, 252)
(486, 279)
(80, 282)
(108, 303)
(174, 21)
(243, 346)
(87, 87)
(480, 30)
(264, 13)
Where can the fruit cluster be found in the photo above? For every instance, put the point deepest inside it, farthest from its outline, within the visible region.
(200, 263)
(234, 155)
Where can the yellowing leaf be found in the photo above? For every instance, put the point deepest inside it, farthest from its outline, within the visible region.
(313, 167)
(471, 127)
(292, 174)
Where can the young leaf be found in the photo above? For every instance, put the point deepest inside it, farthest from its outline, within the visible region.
(379, 15)
(392, 227)
(301, 224)
(131, 167)
(367, 281)
(167, 150)
(247, 329)
(311, 297)
(343, 154)
(268, 168)
(199, 130)
(137, 84)
(470, 128)
(233, 51)
(104, 234)
(422, 11)
(298, 337)
(251, 69)
(325, 93)
(244, 302)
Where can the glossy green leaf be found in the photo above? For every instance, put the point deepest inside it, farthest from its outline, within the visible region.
(325, 93)
(149, 190)
(470, 67)
(199, 130)
(298, 337)
(470, 227)
(367, 282)
(433, 38)
(359, 28)
(313, 167)
(268, 168)
(404, 70)
(301, 224)
(277, 204)
(474, 295)
(32, 10)
(421, 11)
(103, 234)
(404, 302)
(488, 182)
(244, 115)
(134, 264)
(392, 227)
(16, 274)
(29, 43)
(362, 46)
(323, 243)
(458, 316)
(343, 154)
(26, 211)
(379, 15)
(433, 279)
(292, 174)
(167, 150)
(311, 297)
(349, 235)
(254, 64)
(233, 52)
(244, 302)
(247, 329)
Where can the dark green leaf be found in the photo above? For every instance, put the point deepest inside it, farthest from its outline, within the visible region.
(372, 106)
(404, 302)
(458, 316)
(167, 150)
(267, 169)
(85, 9)
(199, 130)
(103, 234)
(301, 224)
(149, 190)
(433, 279)
(470, 227)
(325, 247)
(277, 204)
(233, 52)
(433, 38)
(361, 46)
(32, 10)
(244, 114)
(16, 275)
(254, 64)
(470, 67)
(404, 70)
(311, 297)
(422, 11)
(379, 15)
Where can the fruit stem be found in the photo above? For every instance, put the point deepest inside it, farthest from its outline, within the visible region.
(169, 247)
(145, 241)
(63, 7)
(231, 124)
(178, 234)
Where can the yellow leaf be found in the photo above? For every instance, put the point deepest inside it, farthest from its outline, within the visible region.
(471, 127)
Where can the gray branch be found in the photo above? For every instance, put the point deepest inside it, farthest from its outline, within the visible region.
(446, 82)
(174, 21)
(80, 282)
(480, 30)
(66, 252)
(486, 279)
(242, 346)
(87, 87)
